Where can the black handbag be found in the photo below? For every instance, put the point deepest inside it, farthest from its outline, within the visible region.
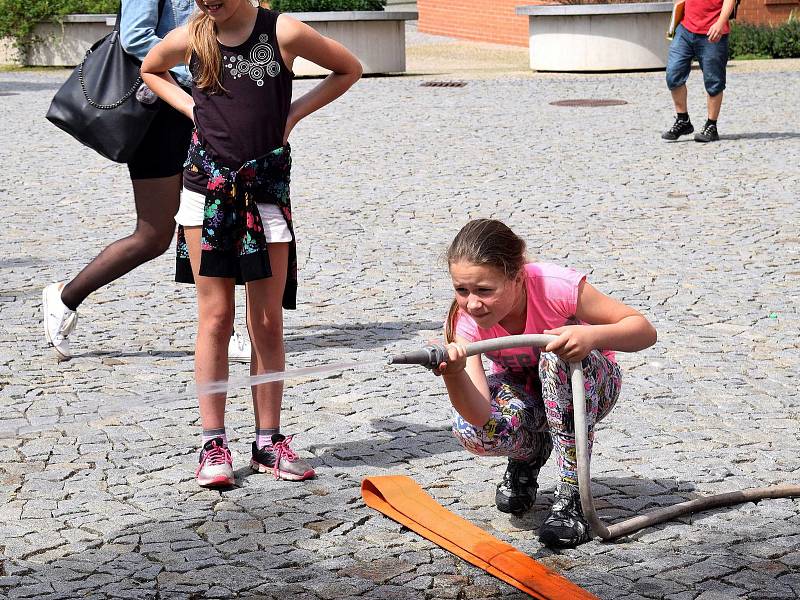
(97, 104)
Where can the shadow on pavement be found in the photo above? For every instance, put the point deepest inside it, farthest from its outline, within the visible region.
(618, 499)
(408, 441)
(141, 353)
(194, 546)
(355, 335)
(762, 135)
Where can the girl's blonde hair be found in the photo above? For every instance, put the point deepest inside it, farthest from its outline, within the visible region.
(485, 242)
(204, 48)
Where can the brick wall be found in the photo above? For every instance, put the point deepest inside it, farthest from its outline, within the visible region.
(495, 20)
(481, 20)
(767, 11)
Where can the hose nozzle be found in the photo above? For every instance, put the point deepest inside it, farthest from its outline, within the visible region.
(429, 357)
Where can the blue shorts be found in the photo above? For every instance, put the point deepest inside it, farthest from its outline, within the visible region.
(713, 58)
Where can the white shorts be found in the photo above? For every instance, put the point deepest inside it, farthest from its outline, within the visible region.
(192, 208)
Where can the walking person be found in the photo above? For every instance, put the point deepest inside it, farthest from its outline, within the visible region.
(702, 35)
(523, 408)
(155, 173)
(235, 220)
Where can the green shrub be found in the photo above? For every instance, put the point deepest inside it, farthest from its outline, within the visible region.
(781, 41)
(786, 42)
(324, 5)
(19, 17)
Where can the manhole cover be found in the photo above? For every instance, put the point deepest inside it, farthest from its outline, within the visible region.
(588, 102)
(443, 83)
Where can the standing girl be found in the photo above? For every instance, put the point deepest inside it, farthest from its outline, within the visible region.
(235, 216)
(523, 409)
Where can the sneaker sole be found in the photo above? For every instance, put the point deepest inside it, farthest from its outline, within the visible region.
(509, 511)
(259, 468)
(218, 481)
(49, 339)
(551, 540)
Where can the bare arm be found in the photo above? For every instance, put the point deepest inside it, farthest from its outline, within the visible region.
(612, 325)
(715, 31)
(155, 70)
(298, 39)
(466, 383)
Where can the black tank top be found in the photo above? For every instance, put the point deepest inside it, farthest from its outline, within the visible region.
(249, 118)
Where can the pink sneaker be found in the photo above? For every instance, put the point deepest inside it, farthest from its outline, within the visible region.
(216, 465)
(279, 458)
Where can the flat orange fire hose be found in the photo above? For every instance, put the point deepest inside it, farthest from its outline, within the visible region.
(401, 499)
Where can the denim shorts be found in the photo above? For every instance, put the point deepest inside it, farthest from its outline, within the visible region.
(713, 58)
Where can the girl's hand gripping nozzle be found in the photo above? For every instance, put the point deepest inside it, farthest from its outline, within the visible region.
(429, 357)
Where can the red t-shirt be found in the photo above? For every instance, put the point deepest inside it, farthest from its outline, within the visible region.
(700, 15)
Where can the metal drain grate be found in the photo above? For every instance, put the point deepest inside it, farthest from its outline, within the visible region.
(588, 102)
(443, 84)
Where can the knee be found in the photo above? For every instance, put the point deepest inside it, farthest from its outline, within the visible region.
(550, 365)
(216, 322)
(266, 328)
(715, 87)
(675, 78)
(475, 439)
(161, 243)
(152, 244)
(158, 243)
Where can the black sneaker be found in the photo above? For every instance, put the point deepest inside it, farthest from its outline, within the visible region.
(679, 128)
(517, 492)
(279, 458)
(565, 526)
(709, 133)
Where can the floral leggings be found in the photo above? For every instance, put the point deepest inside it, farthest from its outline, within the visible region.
(527, 421)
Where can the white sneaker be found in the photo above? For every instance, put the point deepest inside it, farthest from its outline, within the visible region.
(239, 348)
(59, 321)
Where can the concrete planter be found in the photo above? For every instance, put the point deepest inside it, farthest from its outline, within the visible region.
(598, 37)
(377, 38)
(60, 44)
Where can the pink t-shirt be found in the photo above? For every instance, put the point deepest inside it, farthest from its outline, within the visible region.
(552, 301)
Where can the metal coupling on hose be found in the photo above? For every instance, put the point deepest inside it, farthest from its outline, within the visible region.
(429, 357)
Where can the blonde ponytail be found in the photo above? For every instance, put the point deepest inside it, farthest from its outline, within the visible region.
(204, 49)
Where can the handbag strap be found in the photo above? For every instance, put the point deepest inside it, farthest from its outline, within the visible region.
(136, 83)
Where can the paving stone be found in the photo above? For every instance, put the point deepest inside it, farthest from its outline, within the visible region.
(97, 455)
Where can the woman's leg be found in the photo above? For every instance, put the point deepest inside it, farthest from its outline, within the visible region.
(270, 450)
(566, 526)
(517, 428)
(215, 309)
(156, 204)
(265, 324)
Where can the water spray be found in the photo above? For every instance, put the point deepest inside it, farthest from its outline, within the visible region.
(432, 356)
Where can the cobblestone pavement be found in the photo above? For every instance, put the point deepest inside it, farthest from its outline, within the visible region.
(97, 494)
